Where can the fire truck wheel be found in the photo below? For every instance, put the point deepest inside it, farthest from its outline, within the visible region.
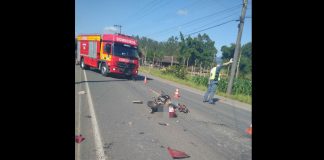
(104, 69)
(82, 65)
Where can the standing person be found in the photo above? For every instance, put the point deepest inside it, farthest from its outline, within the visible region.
(213, 81)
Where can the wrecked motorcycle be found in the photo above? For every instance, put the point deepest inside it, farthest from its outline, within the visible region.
(162, 100)
(158, 102)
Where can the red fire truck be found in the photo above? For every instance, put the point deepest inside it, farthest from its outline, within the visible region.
(110, 53)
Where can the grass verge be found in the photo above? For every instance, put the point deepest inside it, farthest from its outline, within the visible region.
(156, 72)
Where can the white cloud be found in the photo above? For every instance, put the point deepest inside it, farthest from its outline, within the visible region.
(182, 12)
(110, 29)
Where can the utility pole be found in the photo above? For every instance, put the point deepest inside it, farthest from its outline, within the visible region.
(238, 64)
(237, 48)
(119, 26)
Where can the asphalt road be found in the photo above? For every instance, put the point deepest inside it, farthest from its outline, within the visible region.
(129, 131)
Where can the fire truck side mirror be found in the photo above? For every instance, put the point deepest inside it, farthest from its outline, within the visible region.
(108, 48)
(140, 53)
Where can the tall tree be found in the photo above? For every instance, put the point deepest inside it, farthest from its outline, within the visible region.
(245, 66)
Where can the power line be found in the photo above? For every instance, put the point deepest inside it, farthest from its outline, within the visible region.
(194, 10)
(211, 27)
(220, 19)
(149, 11)
(186, 6)
(149, 4)
(214, 21)
(197, 19)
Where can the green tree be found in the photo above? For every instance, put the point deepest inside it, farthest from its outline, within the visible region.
(245, 65)
(182, 49)
(246, 60)
(206, 50)
(228, 52)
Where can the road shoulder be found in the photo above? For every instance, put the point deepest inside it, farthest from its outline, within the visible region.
(224, 100)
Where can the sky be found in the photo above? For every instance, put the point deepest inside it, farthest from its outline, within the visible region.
(161, 19)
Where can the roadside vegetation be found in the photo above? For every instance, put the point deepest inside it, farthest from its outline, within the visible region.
(242, 90)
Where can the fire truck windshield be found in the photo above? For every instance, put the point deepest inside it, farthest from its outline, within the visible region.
(124, 50)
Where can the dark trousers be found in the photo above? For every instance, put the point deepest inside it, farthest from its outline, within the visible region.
(209, 95)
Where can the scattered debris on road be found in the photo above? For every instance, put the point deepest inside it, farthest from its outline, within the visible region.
(141, 133)
(82, 92)
(138, 102)
(183, 108)
(193, 144)
(163, 124)
(108, 146)
(214, 123)
(130, 123)
(88, 116)
(79, 138)
(175, 154)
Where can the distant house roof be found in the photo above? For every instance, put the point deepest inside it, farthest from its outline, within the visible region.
(168, 59)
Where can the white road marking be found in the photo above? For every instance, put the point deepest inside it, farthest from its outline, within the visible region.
(79, 120)
(98, 143)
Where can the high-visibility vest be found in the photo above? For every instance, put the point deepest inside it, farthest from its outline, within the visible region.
(214, 73)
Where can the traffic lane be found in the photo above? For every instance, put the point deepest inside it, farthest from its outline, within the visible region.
(199, 135)
(85, 149)
(130, 127)
(123, 125)
(234, 117)
(77, 113)
(193, 137)
(209, 126)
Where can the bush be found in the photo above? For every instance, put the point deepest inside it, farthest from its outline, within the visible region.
(177, 71)
(222, 85)
(240, 86)
(200, 80)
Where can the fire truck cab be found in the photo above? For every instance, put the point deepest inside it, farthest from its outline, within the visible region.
(110, 53)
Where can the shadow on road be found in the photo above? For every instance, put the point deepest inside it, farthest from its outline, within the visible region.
(116, 76)
(102, 81)
(215, 100)
(141, 78)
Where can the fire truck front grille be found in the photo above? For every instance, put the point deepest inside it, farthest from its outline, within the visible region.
(123, 65)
